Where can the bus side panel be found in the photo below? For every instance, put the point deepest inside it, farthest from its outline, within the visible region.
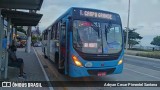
(52, 50)
(44, 46)
(75, 71)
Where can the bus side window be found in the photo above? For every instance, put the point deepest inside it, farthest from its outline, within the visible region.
(57, 31)
(46, 35)
(52, 32)
(42, 36)
(63, 33)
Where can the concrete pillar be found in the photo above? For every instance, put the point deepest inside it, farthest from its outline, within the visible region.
(28, 47)
(2, 50)
(6, 65)
(8, 31)
(8, 42)
(11, 35)
(1, 37)
(15, 38)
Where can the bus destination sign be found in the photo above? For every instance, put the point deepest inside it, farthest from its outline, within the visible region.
(96, 14)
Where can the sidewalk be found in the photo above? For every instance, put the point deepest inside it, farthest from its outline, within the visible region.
(31, 68)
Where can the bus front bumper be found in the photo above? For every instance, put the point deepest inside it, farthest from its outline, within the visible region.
(83, 71)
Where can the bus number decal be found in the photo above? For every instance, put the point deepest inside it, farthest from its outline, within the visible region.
(95, 14)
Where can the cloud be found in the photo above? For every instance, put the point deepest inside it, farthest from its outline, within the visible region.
(52, 9)
(144, 14)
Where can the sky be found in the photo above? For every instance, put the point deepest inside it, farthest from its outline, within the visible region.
(144, 14)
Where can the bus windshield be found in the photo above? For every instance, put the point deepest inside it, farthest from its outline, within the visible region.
(96, 37)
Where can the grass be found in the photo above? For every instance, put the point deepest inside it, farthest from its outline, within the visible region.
(138, 49)
(155, 54)
(144, 53)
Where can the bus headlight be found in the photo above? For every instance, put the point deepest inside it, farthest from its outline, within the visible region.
(120, 62)
(76, 61)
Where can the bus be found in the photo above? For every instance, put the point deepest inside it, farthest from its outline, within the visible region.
(85, 42)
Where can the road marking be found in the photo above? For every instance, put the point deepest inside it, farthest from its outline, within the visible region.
(47, 62)
(44, 72)
(143, 67)
(143, 73)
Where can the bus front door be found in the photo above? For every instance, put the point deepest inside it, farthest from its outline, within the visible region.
(63, 45)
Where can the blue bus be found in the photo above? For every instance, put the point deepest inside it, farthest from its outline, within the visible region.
(85, 42)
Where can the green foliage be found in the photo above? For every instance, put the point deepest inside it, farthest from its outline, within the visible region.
(133, 42)
(150, 54)
(133, 37)
(139, 49)
(34, 38)
(40, 38)
(156, 41)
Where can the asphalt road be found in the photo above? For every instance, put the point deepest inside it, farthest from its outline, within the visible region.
(135, 69)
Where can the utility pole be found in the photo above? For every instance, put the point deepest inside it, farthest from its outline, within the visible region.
(127, 29)
(28, 47)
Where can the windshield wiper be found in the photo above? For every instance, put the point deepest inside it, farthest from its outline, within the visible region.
(95, 27)
(79, 41)
(107, 29)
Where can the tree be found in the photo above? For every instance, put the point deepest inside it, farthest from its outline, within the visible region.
(34, 39)
(156, 41)
(133, 37)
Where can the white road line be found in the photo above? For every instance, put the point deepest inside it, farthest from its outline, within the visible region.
(143, 73)
(44, 72)
(143, 67)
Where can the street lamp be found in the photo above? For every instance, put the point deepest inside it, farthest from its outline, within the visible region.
(127, 29)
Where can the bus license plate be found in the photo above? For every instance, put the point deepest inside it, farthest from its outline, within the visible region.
(101, 73)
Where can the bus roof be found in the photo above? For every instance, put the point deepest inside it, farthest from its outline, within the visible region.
(93, 10)
(70, 12)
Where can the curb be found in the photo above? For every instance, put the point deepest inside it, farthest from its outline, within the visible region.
(43, 70)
